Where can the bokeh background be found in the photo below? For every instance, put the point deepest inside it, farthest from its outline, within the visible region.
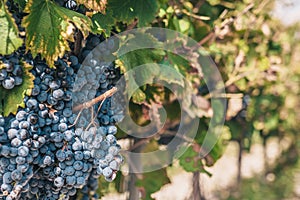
(255, 45)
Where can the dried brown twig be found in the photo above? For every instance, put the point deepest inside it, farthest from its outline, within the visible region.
(92, 102)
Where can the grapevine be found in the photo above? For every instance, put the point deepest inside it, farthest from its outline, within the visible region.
(78, 96)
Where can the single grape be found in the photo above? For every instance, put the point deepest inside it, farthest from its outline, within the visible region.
(80, 181)
(69, 170)
(107, 172)
(78, 165)
(16, 142)
(16, 175)
(114, 165)
(47, 160)
(7, 177)
(8, 83)
(42, 97)
(59, 182)
(71, 180)
(32, 104)
(23, 151)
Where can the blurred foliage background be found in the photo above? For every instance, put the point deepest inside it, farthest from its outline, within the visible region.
(258, 56)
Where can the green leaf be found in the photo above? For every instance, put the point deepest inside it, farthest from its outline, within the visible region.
(190, 160)
(96, 5)
(132, 59)
(12, 99)
(178, 63)
(182, 25)
(49, 27)
(170, 76)
(9, 35)
(127, 10)
(146, 57)
(152, 182)
(140, 38)
(103, 23)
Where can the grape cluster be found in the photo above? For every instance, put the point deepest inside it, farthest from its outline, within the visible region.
(11, 72)
(49, 152)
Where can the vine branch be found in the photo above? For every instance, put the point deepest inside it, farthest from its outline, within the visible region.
(92, 102)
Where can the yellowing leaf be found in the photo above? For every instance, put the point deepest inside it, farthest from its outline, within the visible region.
(9, 36)
(96, 5)
(49, 27)
(10, 100)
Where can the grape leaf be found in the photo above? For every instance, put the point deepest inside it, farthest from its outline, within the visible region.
(171, 76)
(152, 182)
(137, 39)
(135, 59)
(96, 5)
(12, 99)
(49, 27)
(190, 160)
(138, 96)
(128, 10)
(147, 57)
(103, 23)
(9, 36)
(178, 62)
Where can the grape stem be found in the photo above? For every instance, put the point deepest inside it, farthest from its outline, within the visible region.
(77, 44)
(92, 102)
(77, 118)
(94, 117)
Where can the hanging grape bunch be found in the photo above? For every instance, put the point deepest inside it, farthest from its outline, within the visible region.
(49, 151)
(44, 152)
